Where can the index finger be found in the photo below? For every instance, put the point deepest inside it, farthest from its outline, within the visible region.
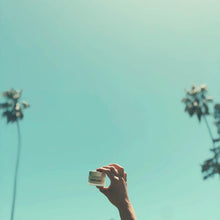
(106, 171)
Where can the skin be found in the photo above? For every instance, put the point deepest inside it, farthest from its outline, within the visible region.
(117, 192)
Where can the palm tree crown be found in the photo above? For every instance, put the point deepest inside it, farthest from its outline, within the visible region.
(13, 109)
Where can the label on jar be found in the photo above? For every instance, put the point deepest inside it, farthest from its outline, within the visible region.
(96, 177)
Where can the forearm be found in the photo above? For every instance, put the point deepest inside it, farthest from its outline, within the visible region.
(127, 212)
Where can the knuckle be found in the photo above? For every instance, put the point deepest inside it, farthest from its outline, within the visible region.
(116, 178)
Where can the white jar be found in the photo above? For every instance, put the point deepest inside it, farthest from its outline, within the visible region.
(96, 178)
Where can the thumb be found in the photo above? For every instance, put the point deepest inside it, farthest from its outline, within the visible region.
(103, 190)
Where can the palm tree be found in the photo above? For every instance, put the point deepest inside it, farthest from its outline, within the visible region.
(13, 112)
(197, 103)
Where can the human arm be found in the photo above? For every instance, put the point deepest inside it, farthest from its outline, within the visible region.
(117, 192)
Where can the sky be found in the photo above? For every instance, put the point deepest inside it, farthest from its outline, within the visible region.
(105, 81)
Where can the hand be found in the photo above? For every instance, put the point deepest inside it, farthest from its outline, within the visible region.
(117, 191)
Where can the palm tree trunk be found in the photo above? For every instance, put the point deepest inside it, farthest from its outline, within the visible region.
(209, 130)
(213, 140)
(16, 171)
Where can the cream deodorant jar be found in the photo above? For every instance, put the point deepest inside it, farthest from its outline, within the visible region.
(96, 178)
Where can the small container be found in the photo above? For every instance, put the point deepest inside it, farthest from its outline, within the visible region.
(96, 178)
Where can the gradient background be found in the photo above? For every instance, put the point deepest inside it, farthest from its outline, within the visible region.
(105, 80)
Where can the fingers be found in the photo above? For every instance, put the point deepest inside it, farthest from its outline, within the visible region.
(125, 177)
(103, 190)
(110, 171)
(120, 170)
(114, 171)
(106, 171)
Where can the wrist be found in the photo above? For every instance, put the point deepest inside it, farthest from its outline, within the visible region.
(124, 205)
(126, 211)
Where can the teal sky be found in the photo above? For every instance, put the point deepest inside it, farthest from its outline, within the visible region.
(105, 80)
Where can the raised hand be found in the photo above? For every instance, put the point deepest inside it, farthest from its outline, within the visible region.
(117, 192)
